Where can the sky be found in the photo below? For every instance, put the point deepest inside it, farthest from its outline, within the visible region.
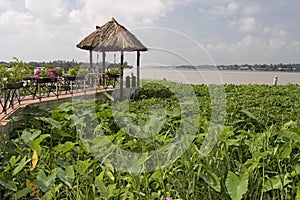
(175, 31)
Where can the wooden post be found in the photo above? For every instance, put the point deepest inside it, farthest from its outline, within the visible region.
(103, 67)
(121, 76)
(39, 91)
(103, 61)
(91, 59)
(138, 68)
(275, 80)
(56, 88)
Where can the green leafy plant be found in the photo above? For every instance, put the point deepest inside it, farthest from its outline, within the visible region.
(256, 155)
(77, 71)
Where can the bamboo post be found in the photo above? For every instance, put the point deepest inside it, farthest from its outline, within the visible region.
(91, 59)
(138, 68)
(121, 76)
(103, 66)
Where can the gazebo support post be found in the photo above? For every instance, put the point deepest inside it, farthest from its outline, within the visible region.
(138, 68)
(103, 68)
(121, 76)
(91, 59)
(103, 62)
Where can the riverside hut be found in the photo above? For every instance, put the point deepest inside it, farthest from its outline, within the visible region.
(113, 37)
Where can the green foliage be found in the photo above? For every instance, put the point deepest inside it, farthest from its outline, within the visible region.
(256, 155)
(113, 71)
(14, 71)
(77, 71)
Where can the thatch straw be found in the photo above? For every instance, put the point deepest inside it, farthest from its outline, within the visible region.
(111, 37)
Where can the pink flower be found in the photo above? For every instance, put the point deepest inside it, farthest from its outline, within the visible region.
(37, 72)
(36, 76)
(54, 71)
(169, 198)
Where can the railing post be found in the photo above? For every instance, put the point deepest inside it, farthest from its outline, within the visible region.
(19, 96)
(4, 99)
(39, 91)
(56, 87)
(71, 86)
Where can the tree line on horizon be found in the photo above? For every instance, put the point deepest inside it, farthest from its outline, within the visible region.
(295, 67)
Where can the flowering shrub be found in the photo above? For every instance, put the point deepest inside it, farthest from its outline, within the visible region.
(51, 73)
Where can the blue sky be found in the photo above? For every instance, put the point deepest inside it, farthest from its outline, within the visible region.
(203, 32)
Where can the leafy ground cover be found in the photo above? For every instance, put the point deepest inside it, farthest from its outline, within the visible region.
(256, 155)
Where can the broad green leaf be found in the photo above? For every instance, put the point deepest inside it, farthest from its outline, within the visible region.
(66, 176)
(51, 194)
(13, 160)
(291, 135)
(236, 185)
(45, 181)
(9, 184)
(52, 122)
(28, 135)
(83, 165)
(298, 193)
(285, 151)
(35, 144)
(65, 107)
(21, 193)
(276, 182)
(110, 190)
(101, 186)
(212, 180)
(64, 147)
(144, 158)
(21, 165)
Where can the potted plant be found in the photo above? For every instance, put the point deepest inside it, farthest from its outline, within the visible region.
(113, 73)
(76, 72)
(47, 75)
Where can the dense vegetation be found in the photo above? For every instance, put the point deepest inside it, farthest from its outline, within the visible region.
(256, 155)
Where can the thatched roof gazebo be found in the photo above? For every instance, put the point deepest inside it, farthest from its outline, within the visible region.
(113, 37)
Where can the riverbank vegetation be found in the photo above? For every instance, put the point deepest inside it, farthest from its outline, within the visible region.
(256, 155)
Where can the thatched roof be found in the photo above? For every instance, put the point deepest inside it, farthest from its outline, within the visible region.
(111, 37)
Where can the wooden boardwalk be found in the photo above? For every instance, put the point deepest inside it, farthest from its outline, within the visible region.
(52, 97)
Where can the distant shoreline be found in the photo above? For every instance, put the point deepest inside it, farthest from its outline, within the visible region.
(216, 69)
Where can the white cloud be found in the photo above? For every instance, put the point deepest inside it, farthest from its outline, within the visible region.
(275, 31)
(247, 24)
(251, 9)
(13, 23)
(53, 11)
(51, 29)
(221, 10)
(232, 6)
(276, 43)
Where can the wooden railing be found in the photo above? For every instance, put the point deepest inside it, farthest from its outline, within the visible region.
(32, 88)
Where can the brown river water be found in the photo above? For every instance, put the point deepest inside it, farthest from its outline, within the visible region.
(217, 77)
